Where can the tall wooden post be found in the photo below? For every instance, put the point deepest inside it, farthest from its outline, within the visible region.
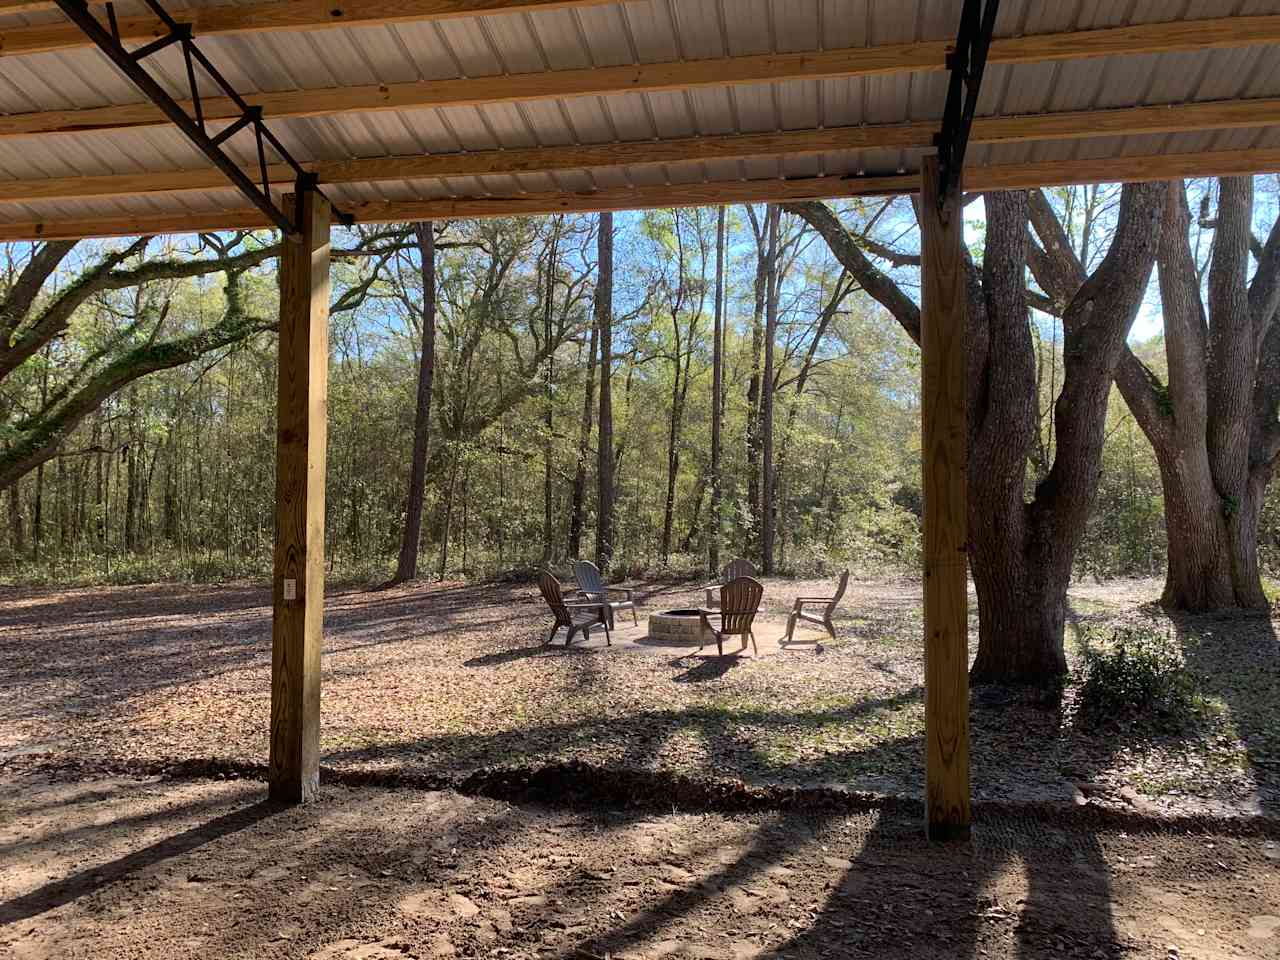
(944, 438)
(298, 584)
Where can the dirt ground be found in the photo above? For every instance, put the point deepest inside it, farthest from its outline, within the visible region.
(452, 684)
(120, 868)
(451, 678)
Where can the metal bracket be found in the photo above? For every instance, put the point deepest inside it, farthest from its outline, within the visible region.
(107, 39)
(967, 62)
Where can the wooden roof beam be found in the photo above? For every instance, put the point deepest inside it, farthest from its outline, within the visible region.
(271, 17)
(1008, 177)
(1214, 115)
(1174, 36)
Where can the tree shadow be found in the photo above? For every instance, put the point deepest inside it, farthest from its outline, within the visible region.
(1235, 657)
(60, 892)
(704, 669)
(540, 650)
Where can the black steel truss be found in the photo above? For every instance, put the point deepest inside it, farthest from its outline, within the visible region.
(966, 63)
(107, 39)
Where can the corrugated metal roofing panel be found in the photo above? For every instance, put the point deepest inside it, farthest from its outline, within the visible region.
(638, 31)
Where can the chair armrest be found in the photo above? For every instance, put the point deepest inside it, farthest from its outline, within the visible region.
(814, 599)
(596, 605)
(625, 591)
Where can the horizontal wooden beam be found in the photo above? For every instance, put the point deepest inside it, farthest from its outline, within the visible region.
(27, 6)
(1135, 169)
(270, 17)
(635, 198)
(602, 81)
(511, 88)
(491, 162)
(1076, 125)
(1007, 177)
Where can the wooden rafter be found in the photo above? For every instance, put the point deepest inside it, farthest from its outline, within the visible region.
(26, 6)
(1177, 118)
(271, 17)
(1007, 177)
(849, 62)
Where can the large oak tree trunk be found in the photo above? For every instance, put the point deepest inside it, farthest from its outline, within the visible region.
(1213, 426)
(1198, 576)
(1021, 552)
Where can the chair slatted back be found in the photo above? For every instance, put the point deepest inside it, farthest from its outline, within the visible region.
(589, 579)
(554, 595)
(739, 603)
(737, 568)
(844, 582)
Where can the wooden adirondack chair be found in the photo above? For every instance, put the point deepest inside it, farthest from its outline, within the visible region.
(591, 586)
(574, 617)
(739, 603)
(829, 608)
(732, 571)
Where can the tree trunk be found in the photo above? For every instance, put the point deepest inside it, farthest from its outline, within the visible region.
(577, 508)
(17, 539)
(548, 489)
(604, 439)
(768, 514)
(1209, 426)
(1198, 576)
(673, 448)
(761, 287)
(64, 523)
(717, 401)
(407, 565)
(447, 521)
(690, 540)
(131, 498)
(1022, 552)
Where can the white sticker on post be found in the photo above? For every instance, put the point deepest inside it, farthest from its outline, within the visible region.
(291, 589)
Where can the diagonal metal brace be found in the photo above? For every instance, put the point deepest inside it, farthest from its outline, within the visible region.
(967, 63)
(130, 64)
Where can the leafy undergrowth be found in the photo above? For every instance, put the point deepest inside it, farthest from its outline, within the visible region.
(453, 678)
(1134, 678)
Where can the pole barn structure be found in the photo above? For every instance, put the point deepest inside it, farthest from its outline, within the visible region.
(172, 116)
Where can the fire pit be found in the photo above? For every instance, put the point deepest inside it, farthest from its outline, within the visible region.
(676, 626)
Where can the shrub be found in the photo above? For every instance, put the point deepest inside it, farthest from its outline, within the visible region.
(1136, 676)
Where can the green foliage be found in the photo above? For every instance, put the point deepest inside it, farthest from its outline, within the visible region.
(1135, 676)
(174, 477)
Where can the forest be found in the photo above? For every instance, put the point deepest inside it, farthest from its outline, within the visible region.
(548, 383)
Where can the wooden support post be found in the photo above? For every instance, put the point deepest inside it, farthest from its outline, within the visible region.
(298, 585)
(945, 439)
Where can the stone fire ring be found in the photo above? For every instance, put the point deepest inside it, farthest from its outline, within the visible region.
(676, 626)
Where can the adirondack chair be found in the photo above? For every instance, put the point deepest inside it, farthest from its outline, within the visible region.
(829, 607)
(739, 603)
(574, 617)
(591, 586)
(732, 571)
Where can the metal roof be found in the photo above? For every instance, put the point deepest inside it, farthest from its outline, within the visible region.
(595, 35)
